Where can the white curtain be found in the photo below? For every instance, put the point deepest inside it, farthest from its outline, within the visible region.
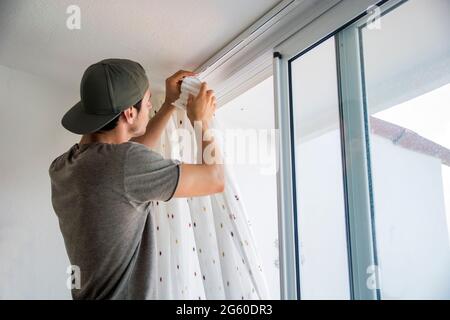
(205, 245)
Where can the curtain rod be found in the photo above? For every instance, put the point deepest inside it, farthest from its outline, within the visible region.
(249, 35)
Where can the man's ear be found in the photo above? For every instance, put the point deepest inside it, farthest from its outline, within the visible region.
(130, 115)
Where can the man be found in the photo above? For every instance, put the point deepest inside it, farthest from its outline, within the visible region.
(102, 187)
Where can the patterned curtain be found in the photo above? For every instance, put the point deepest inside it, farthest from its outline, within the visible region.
(205, 245)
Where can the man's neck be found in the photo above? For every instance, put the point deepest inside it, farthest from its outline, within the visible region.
(111, 137)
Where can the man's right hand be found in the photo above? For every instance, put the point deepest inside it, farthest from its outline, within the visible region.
(202, 107)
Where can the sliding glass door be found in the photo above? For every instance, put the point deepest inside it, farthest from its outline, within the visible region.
(364, 117)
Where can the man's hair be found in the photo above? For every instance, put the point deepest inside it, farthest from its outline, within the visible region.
(113, 124)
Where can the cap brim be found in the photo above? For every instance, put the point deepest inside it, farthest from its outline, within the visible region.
(76, 120)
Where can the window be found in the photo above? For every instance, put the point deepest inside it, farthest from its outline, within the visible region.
(407, 85)
(365, 138)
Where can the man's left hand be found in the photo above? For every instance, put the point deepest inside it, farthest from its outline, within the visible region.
(173, 85)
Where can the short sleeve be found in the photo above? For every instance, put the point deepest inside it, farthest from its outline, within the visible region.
(148, 176)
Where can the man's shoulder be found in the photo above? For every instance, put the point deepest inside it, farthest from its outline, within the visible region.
(59, 160)
(136, 151)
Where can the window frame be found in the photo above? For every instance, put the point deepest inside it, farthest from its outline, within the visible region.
(361, 244)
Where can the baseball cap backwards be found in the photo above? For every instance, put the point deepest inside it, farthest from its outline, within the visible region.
(107, 88)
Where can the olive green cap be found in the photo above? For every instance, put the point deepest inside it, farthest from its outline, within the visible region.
(107, 88)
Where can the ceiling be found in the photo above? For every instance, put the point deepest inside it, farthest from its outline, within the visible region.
(163, 36)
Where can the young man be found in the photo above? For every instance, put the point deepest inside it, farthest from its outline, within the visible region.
(102, 186)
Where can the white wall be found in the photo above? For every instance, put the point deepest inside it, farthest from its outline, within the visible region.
(33, 260)
(411, 226)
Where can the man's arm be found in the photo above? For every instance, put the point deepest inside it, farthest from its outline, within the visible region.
(208, 177)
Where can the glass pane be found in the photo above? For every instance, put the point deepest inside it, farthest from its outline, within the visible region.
(318, 165)
(407, 76)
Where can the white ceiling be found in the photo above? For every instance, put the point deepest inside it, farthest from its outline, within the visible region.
(163, 36)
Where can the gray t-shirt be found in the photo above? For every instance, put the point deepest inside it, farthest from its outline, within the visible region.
(101, 194)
